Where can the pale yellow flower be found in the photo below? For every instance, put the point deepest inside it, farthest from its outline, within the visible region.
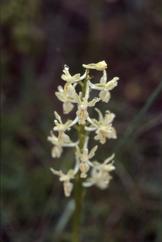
(105, 87)
(82, 112)
(83, 104)
(69, 78)
(62, 140)
(67, 95)
(100, 174)
(103, 127)
(57, 145)
(66, 179)
(62, 127)
(84, 156)
(100, 66)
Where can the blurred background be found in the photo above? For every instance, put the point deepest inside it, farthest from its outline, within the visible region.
(38, 38)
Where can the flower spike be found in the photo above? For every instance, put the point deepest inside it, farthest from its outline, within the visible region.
(76, 94)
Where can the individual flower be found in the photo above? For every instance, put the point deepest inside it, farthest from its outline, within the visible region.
(82, 112)
(84, 156)
(103, 127)
(83, 104)
(100, 66)
(67, 95)
(69, 78)
(100, 174)
(105, 87)
(57, 145)
(61, 127)
(62, 140)
(66, 179)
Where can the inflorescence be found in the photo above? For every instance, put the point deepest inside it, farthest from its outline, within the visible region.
(76, 93)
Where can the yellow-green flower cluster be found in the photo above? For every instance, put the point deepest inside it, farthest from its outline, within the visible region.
(74, 97)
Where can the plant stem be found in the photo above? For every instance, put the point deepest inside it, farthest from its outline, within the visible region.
(78, 196)
(78, 193)
(78, 188)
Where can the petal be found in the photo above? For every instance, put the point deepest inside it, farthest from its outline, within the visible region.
(56, 151)
(112, 133)
(55, 172)
(105, 96)
(60, 96)
(68, 187)
(112, 84)
(66, 138)
(58, 117)
(67, 107)
(92, 152)
(109, 159)
(88, 183)
(93, 102)
(103, 78)
(109, 117)
(99, 114)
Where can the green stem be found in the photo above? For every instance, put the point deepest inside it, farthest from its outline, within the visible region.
(78, 188)
(78, 196)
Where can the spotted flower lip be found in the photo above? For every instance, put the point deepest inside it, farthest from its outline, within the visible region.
(75, 95)
(100, 66)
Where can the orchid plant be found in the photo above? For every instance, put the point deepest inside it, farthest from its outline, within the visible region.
(86, 171)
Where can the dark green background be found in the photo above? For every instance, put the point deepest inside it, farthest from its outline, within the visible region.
(38, 38)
